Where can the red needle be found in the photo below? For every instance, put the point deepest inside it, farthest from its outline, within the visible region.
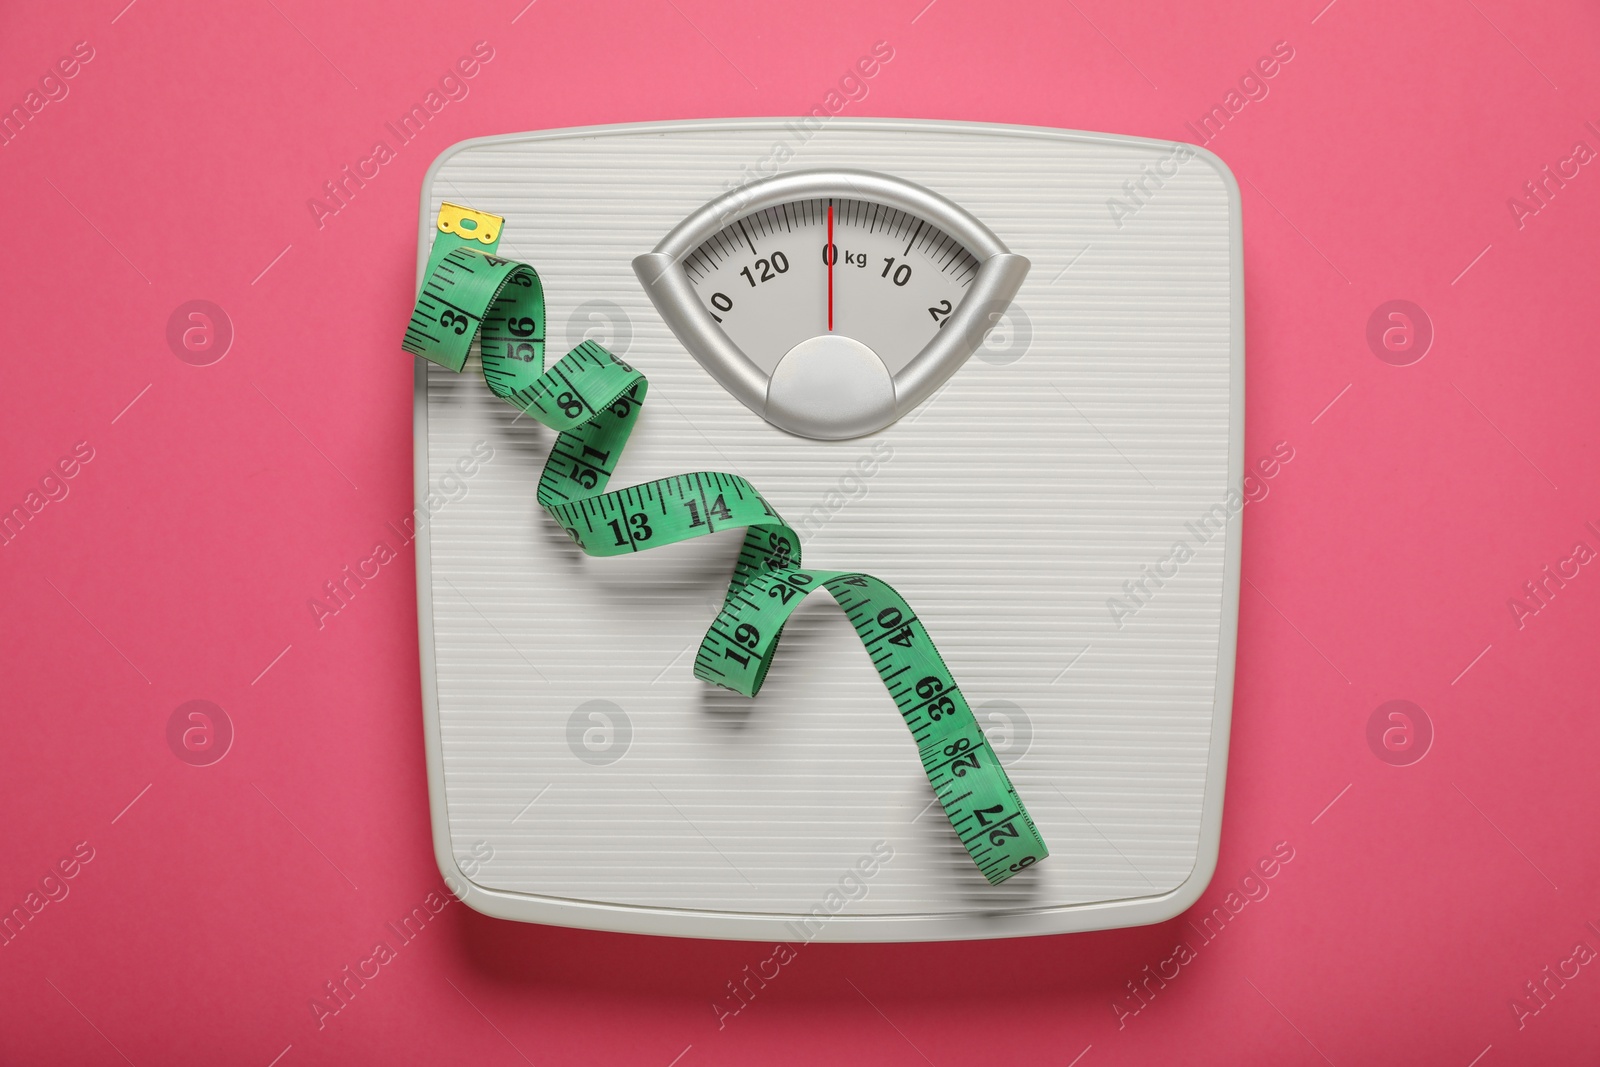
(833, 254)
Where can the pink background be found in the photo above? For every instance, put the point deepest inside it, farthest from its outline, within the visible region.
(220, 898)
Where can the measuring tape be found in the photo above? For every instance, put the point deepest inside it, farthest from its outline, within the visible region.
(592, 399)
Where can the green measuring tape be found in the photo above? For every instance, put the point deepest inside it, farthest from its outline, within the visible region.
(592, 399)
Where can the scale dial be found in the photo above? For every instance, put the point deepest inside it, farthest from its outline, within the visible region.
(896, 278)
(831, 302)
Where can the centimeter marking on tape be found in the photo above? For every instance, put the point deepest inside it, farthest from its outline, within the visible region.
(592, 399)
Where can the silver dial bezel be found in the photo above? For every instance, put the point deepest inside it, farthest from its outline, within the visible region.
(666, 281)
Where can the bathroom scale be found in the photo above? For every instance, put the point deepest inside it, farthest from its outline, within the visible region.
(1000, 368)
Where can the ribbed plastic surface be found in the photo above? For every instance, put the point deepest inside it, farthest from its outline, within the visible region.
(1055, 465)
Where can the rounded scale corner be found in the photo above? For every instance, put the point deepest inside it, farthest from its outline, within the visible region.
(426, 223)
(1223, 171)
(449, 152)
(1188, 892)
(477, 897)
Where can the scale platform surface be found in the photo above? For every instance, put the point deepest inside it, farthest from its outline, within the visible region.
(580, 775)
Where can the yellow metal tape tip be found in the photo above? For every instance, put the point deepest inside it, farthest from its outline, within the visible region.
(469, 224)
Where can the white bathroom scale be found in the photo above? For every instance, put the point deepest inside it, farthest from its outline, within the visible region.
(1030, 395)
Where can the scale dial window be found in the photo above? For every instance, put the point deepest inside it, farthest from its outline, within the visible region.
(897, 278)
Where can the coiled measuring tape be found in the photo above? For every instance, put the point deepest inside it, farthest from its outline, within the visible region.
(592, 399)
